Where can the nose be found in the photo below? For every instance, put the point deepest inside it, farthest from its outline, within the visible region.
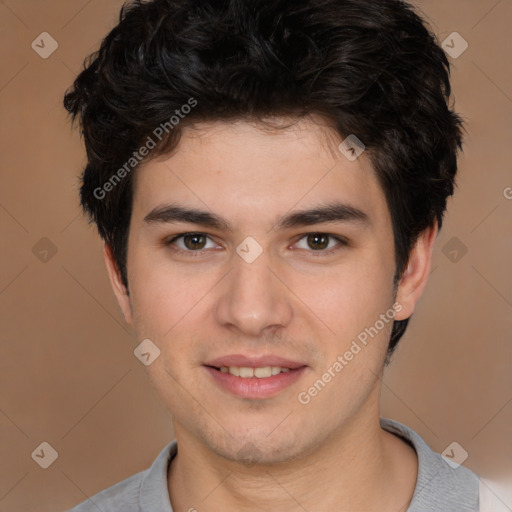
(253, 301)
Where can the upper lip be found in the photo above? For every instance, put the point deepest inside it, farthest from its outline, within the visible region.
(253, 361)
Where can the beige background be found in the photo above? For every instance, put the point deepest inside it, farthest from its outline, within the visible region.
(68, 373)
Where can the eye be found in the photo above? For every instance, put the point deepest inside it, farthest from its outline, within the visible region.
(192, 242)
(320, 242)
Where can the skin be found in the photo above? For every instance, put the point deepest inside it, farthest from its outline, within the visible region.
(295, 301)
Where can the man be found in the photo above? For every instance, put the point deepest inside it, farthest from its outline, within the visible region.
(269, 178)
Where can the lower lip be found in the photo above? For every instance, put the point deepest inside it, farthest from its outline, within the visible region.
(253, 387)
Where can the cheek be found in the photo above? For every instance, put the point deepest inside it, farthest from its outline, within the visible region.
(173, 305)
(161, 294)
(348, 298)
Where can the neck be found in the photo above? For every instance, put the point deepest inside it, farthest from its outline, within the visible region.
(361, 467)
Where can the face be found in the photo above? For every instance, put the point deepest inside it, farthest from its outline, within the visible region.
(258, 259)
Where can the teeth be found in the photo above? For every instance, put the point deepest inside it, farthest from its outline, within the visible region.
(245, 373)
(261, 373)
(248, 373)
(234, 370)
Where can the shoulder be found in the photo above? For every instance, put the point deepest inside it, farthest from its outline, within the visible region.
(122, 496)
(144, 488)
(442, 484)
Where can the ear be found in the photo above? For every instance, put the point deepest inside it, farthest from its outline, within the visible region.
(415, 277)
(120, 291)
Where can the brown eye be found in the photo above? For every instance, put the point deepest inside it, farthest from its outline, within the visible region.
(191, 242)
(194, 241)
(321, 243)
(318, 241)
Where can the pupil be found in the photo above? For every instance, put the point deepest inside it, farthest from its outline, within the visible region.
(318, 241)
(194, 241)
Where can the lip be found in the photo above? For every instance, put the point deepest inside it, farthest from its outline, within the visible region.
(254, 361)
(254, 387)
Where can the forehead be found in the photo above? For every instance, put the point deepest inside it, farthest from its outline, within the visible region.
(252, 171)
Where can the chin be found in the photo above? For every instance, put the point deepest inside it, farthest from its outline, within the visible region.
(261, 446)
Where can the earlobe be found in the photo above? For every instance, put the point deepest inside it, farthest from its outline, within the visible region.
(415, 276)
(118, 287)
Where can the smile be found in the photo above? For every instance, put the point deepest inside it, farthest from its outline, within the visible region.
(254, 383)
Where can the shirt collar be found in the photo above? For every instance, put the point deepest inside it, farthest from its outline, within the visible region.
(153, 492)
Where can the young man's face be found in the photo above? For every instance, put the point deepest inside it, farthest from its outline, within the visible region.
(211, 301)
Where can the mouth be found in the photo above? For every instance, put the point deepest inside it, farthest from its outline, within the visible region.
(254, 378)
(246, 372)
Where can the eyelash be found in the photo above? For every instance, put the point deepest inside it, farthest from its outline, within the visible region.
(342, 242)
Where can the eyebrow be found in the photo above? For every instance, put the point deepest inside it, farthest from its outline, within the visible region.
(333, 212)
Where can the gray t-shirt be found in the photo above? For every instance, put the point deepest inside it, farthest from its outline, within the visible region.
(439, 487)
